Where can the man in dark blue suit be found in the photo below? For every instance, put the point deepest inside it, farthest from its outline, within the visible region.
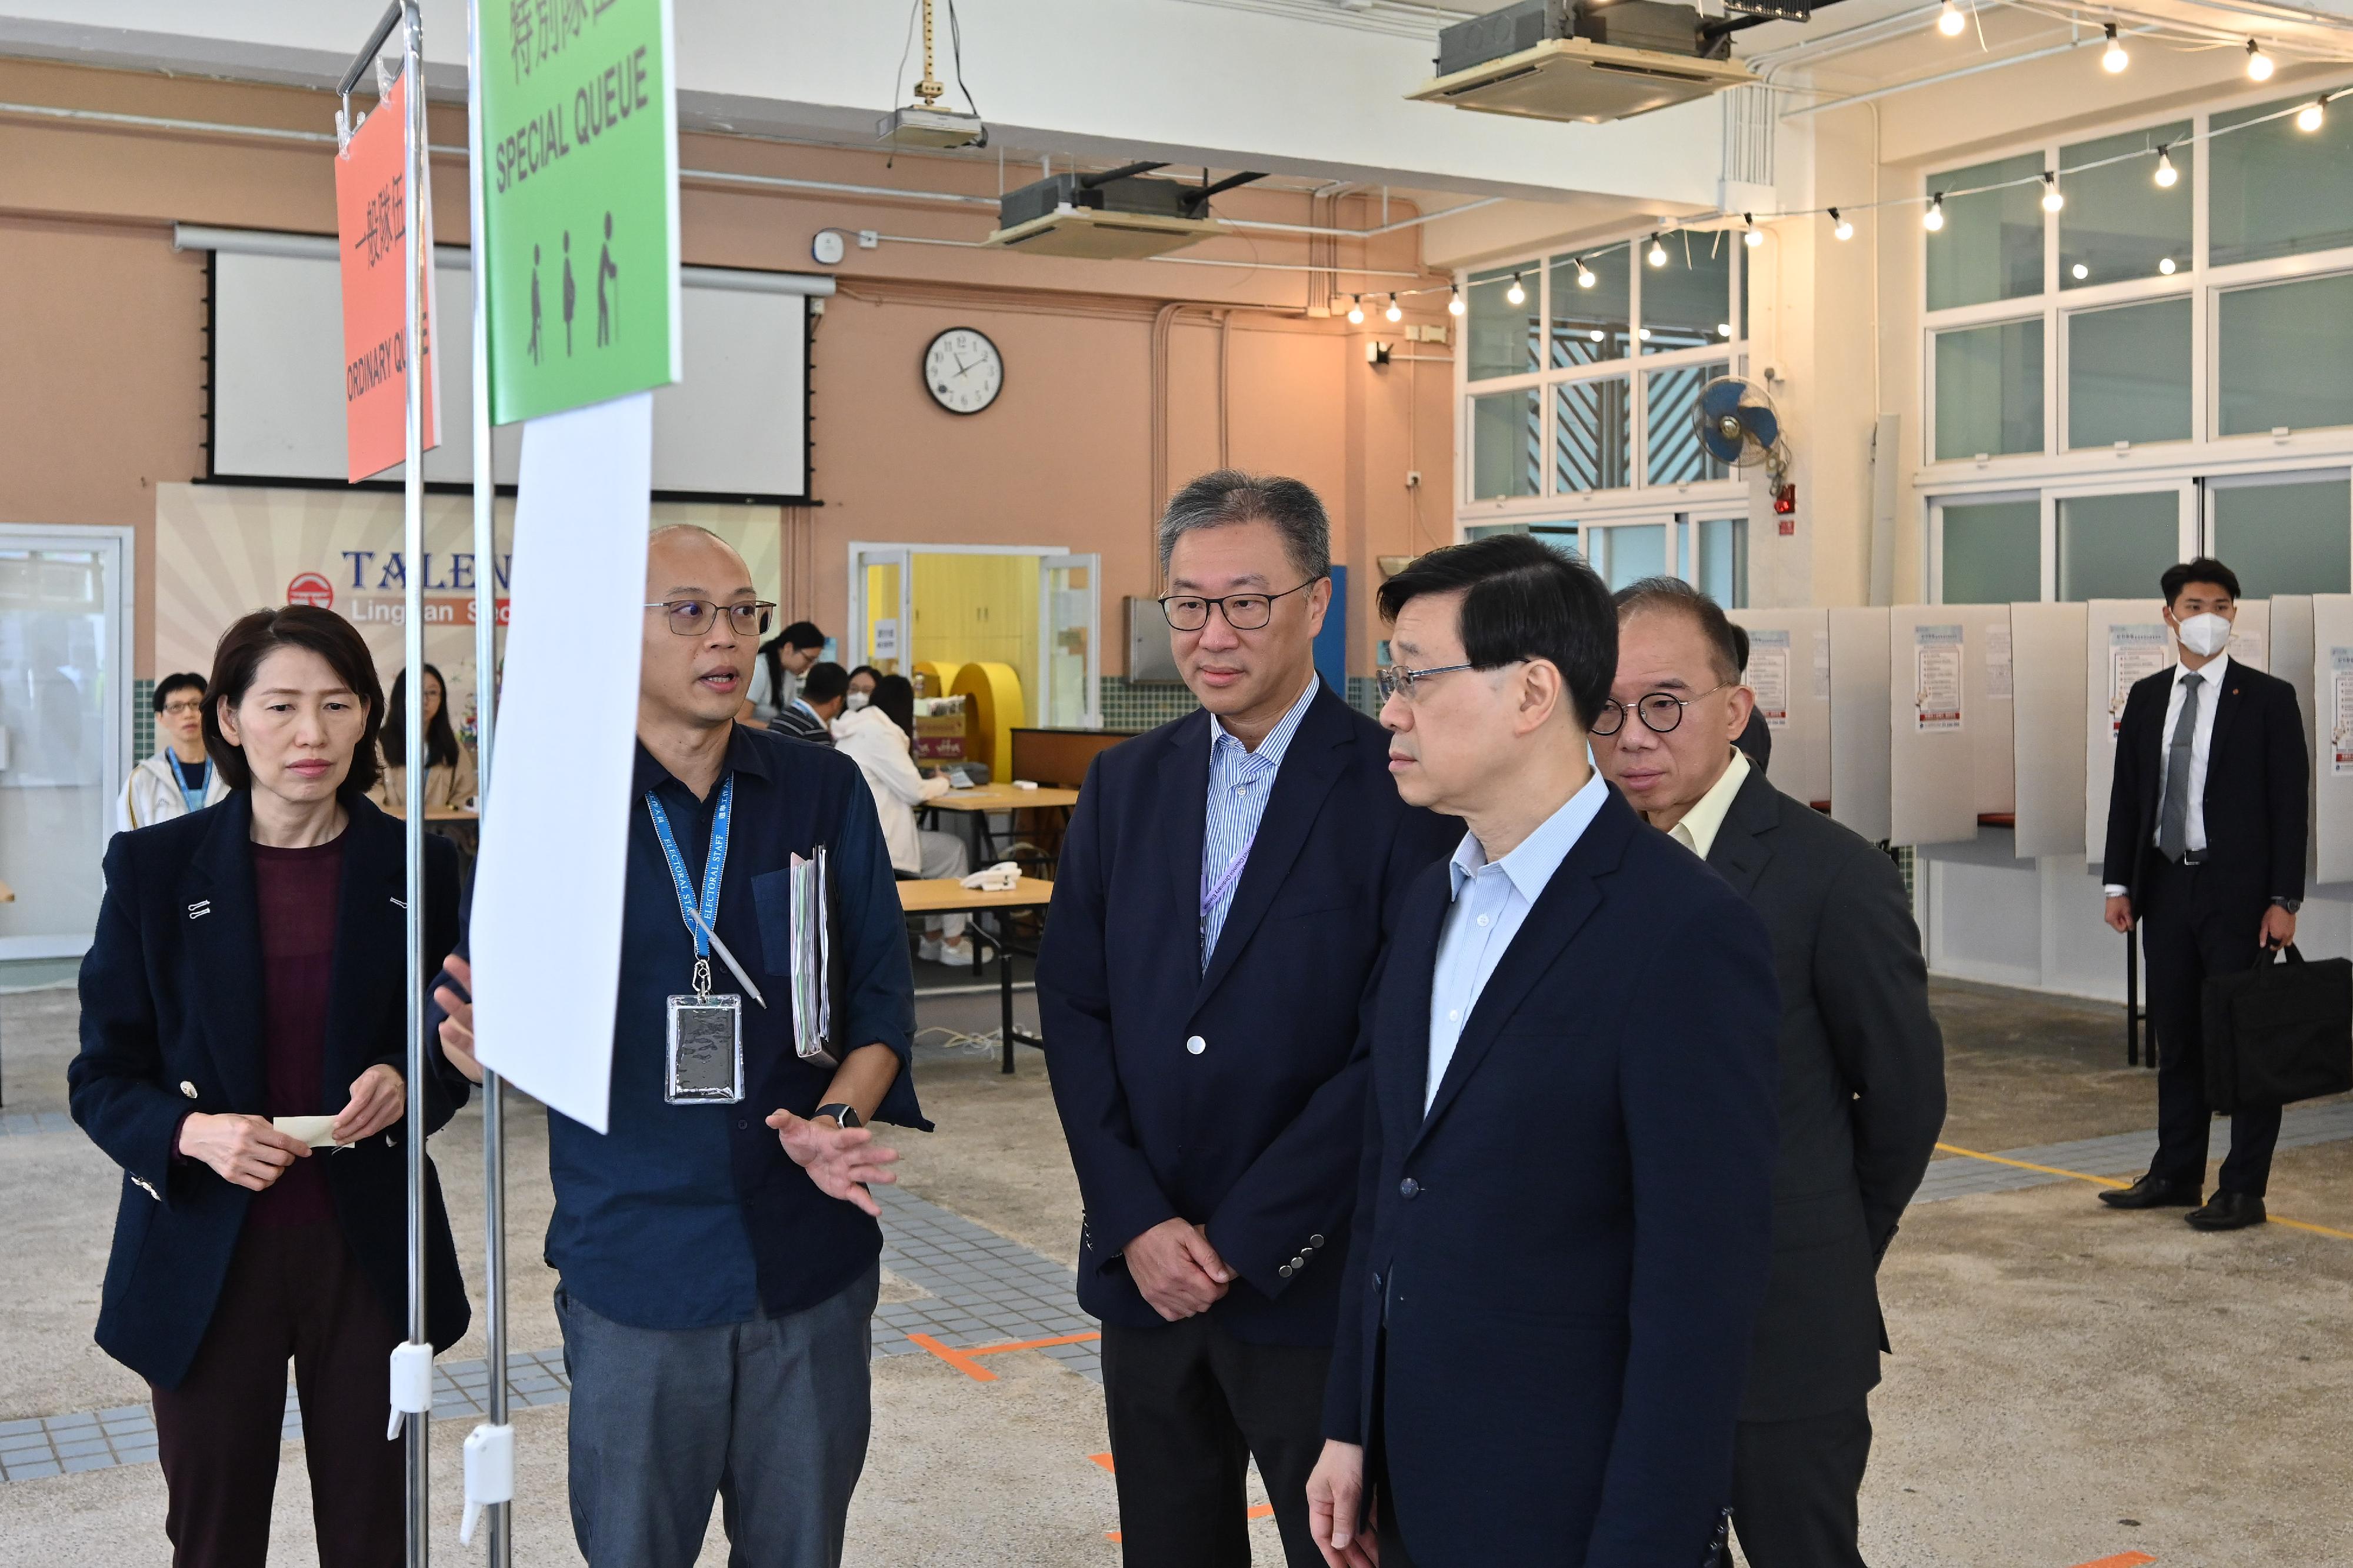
(1222, 897)
(1566, 1204)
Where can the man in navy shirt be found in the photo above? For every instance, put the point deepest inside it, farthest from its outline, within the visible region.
(719, 1261)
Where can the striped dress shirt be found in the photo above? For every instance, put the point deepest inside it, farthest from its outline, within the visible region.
(1241, 780)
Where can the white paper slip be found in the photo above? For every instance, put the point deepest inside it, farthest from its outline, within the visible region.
(312, 1130)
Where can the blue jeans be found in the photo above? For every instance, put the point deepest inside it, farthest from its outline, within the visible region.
(770, 1417)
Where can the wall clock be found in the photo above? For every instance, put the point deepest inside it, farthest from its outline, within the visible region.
(963, 370)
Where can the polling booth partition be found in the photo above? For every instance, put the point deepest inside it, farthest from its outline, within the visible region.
(1861, 678)
(1790, 671)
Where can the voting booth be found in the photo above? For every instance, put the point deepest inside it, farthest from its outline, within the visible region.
(1859, 686)
(1790, 671)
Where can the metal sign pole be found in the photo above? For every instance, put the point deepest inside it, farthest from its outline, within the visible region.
(494, 1158)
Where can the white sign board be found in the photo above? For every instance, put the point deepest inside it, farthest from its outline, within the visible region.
(1932, 795)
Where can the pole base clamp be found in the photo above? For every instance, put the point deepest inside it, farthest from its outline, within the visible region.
(489, 1474)
(412, 1384)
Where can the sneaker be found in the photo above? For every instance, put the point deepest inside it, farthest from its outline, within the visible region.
(928, 949)
(952, 952)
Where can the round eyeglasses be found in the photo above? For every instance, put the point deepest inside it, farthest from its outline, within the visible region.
(1243, 611)
(1661, 712)
(693, 618)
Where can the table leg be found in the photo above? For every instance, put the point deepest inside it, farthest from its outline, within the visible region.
(1004, 991)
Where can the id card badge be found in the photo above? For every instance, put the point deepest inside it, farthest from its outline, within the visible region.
(706, 1051)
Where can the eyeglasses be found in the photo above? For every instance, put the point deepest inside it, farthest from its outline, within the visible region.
(181, 710)
(1395, 679)
(691, 618)
(1661, 712)
(1243, 611)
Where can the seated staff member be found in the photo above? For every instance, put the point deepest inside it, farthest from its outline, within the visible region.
(178, 779)
(881, 740)
(862, 686)
(449, 778)
(1224, 892)
(1863, 1063)
(820, 702)
(1565, 1212)
(718, 1263)
(250, 963)
(776, 673)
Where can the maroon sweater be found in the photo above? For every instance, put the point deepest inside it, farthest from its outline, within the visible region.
(297, 894)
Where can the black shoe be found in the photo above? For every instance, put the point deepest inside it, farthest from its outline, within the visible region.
(2228, 1211)
(2152, 1192)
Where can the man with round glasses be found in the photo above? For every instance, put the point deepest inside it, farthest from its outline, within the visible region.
(1223, 895)
(1862, 1062)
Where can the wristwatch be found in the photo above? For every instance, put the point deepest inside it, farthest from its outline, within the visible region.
(2290, 905)
(843, 1116)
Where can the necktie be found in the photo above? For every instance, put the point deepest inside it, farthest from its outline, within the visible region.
(2173, 819)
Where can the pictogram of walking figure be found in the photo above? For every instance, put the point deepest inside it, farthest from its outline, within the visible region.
(571, 293)
(532, 347)
(605, 268)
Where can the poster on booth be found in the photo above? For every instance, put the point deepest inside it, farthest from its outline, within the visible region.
(2136, 651)
(1768, 676)
(580, 202)
(1936, 678)
(2340, 713)
(372, 233)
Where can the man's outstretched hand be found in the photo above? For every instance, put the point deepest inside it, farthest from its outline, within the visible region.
(843, 1161)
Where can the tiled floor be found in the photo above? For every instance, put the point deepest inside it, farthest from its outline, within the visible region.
(2124, 1154)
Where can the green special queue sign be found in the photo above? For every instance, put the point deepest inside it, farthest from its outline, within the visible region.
(580, 189)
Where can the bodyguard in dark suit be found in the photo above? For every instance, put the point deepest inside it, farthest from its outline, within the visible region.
(1563, 1224)
(1222, 896)
(1863, 1063)
(2206, 841)
(250, 963)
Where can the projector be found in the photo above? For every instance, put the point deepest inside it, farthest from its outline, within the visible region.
(1591, 60)
(1109, 217)
(918, 125)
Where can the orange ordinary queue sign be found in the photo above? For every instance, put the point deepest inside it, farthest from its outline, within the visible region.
(371, 229)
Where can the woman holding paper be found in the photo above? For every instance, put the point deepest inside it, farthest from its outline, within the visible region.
(242, 1050)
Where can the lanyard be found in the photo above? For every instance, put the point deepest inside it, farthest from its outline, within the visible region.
(714, 864)
(194, 796)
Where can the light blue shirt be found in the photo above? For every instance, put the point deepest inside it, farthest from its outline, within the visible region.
(1484, 920)
(1241, 780)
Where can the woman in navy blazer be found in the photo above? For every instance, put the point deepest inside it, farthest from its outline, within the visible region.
(249, 964)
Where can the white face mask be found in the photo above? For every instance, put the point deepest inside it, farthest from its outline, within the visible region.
(2205, 634)
(857, 699)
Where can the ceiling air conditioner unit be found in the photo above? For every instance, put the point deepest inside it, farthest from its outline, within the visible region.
(1114, 215)
(1591, 61)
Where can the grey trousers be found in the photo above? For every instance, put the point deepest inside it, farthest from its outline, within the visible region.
(769, 1416)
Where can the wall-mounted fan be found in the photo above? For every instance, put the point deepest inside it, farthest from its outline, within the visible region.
(1736, 422)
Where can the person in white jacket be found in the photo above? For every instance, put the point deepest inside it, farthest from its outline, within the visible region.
(880, 737)
(177, 779)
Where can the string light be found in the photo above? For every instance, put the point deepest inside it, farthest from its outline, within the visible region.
(1841, 227)
(2166, 173)
(1395, 312)
(2259, 64)
(1585, 279)
(1723, 329)
(2081, 271)
(2165, 265)
(1356, 311)
(2113, 57)
(2052, 198)
(1950, 21)
(1755, 237)
(2310, 116)
(1934, 218)
(1453, 300)
(1515, 293)
(1658, 257)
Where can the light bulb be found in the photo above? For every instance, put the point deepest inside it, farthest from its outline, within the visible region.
(1646, 334)
(1754, 236)
(2259, 64)
(2166, 173)
(1934, 218)
(1841, 227)
(1950, 21)
(2053, 200)
(1658, 257)
(1723, 329)
(2113, 57)
(2165, 265)
(1597, 334)
(1585, 277)
(2311, 115)
(1453, 301)
(2081, 271)
(1516, 294)
(1357, 312)
(1395, 312)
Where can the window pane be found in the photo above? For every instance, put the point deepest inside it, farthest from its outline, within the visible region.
(1630, 553)
(2116, 547)
(1687, 303)
(2118, 221)
(2128, 373)
(1990, 390)
(1991, 244)
(1593, 435)
(1506, 444)
(2286, 353)
(2287, 539)
(1676, 455)
(2278, 191)
(1589, 325)
(1993, 553)
(1720, 563)
(1504, 339)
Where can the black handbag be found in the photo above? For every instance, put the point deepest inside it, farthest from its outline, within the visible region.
(2279, 1033)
